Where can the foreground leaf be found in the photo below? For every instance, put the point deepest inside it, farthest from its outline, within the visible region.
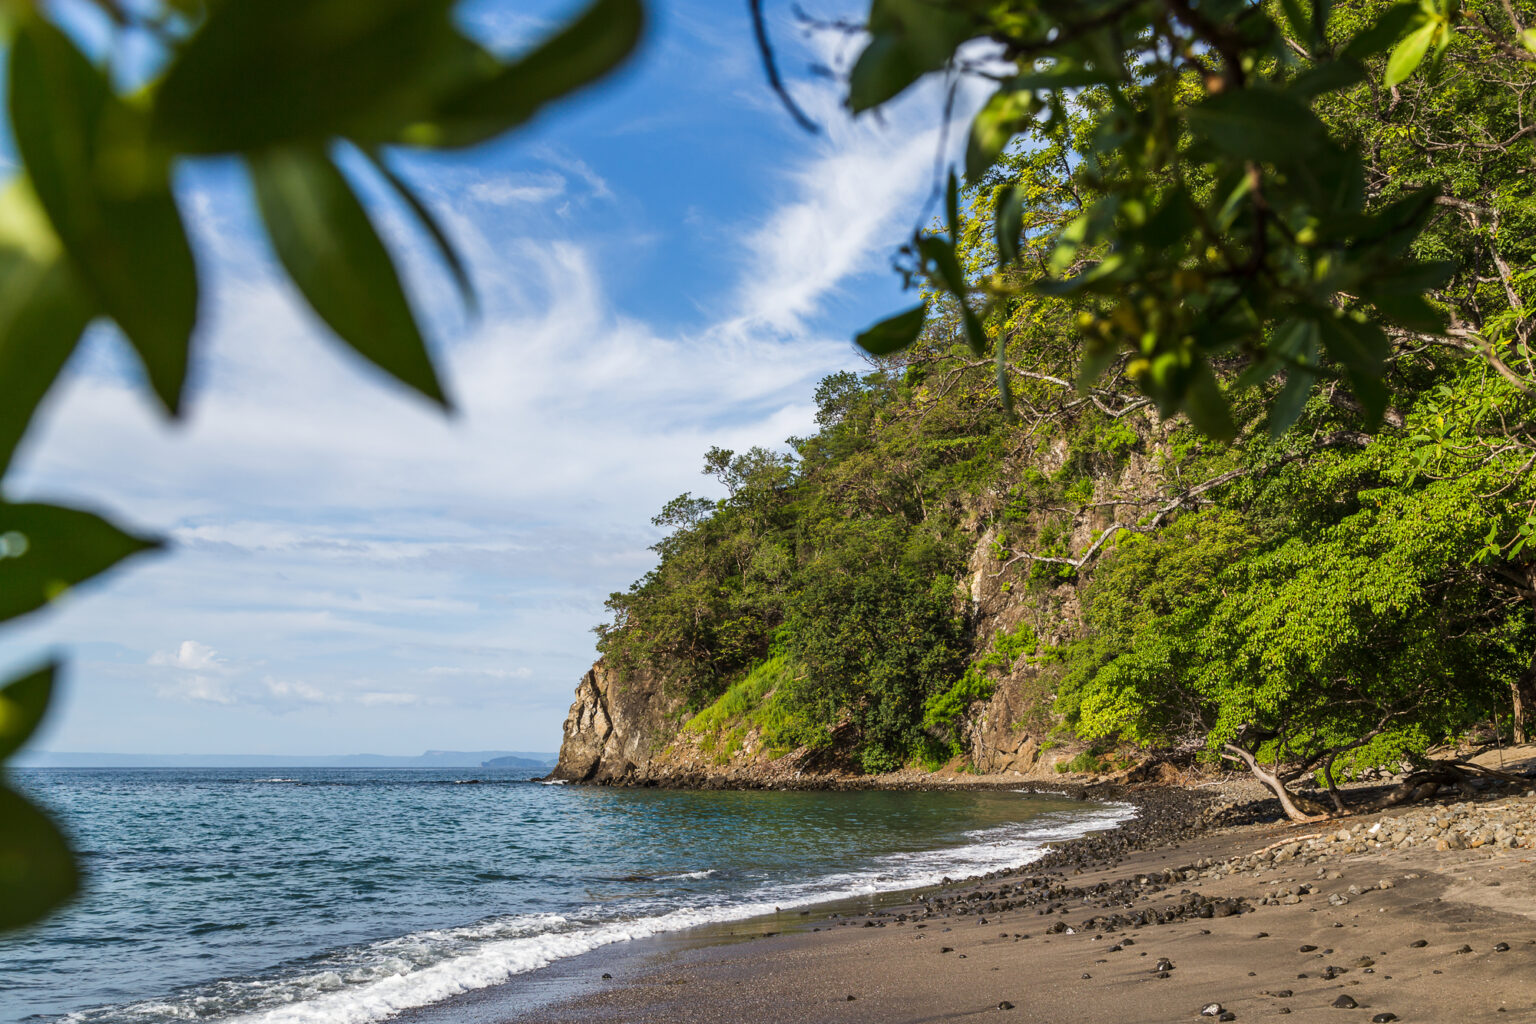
(43, 310)
(22, 704)
(591, 46)
(324, 238)
(893, 333)
(264, 72)
(111, 207)
(37, 869)
(45, 550)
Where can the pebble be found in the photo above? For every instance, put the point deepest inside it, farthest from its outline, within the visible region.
(1005, 1005)
(1345, 1003)
(1384, 1018)
(1212, 1010)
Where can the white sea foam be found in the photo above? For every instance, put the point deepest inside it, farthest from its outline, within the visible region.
(687, 876)
(378, 980)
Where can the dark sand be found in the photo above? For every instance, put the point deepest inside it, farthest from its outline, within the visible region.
(1250, 963)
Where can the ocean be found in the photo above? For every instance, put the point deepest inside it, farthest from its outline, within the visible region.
(347, 896)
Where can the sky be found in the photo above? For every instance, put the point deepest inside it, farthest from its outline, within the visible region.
(665, 263)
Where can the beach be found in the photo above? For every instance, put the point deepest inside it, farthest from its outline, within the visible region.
(1331, 921)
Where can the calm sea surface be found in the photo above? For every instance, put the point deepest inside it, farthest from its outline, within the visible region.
(346, 896)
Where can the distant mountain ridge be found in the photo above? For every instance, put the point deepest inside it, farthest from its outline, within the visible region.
(429, 759)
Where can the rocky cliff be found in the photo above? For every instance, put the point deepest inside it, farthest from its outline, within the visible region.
(628, 730)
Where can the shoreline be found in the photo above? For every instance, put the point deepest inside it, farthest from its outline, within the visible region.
(1320, 919)
(1162, 815)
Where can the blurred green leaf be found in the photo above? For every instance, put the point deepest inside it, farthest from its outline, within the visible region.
(1009, 224)
(1259, 123)
(941, 252)
(589, 47)
(893, 333)
(440, 240)
(1204, 403)
(908, 39)
(952, 205)
(324, 238)
(263, 72)
(23, 702)
(1326, 76)
(1361, 349)
(109, 199)
(1408, 309)
(43, 310)
(1409, 53)
(1386, 30)
(998, 120)
(45, 550)
(37, 868)
(1291, 401)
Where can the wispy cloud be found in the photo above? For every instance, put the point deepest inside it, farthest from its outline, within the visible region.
(349, 559)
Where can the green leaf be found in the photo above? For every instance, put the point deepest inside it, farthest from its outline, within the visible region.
(444, 245)
(1528, 39)
(37, 869)
(1361, 349)
(591, 46)
(1297, 19)
(43, 310)
(108, 197)
(45, 550)
(260, 73)
(1409, 53)
(1259, 123)
(1408, 309)
(324, 238)
(1292, 399)
(908, 39)
(1326, 76)
(1387, 29)
(23, 702)
(952, 204)
(1205, 405)
(893, 333)
(941, 253)
(998, 121)
(1008, 224)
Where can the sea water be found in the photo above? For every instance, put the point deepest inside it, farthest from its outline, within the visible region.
(346, 896)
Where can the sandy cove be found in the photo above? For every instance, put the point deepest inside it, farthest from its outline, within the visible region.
(1430, 917)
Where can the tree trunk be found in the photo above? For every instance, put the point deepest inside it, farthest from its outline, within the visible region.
(1523, 690)
(1522, 694)
(1290, 803)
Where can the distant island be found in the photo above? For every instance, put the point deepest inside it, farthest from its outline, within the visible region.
(429, 759)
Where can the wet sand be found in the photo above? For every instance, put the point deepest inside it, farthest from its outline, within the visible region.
(1020, 946)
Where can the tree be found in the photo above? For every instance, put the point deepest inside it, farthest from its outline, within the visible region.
(1241, 206)
(91, 230)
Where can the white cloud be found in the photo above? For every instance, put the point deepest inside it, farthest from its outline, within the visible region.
(196, 688)
(518, 188)
(480, 673)
(191, 656)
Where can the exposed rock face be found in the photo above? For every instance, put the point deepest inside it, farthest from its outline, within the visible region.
(615, 726)
(627, 729)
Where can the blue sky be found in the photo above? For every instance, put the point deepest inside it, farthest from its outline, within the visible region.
(666, 263)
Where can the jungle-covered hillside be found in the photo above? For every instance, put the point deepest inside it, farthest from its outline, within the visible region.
(1310, 559)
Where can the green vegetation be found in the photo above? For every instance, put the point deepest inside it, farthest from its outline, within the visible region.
(759, 701)
(1306, 227)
